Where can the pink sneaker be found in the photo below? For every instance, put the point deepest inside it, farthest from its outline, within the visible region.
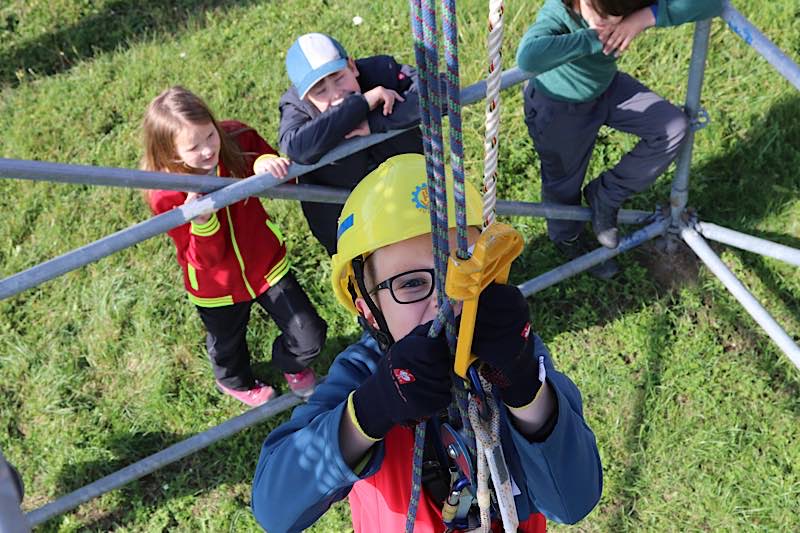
(260, 394)
(302, 383)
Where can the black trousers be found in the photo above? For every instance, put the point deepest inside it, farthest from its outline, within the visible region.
(302, 333)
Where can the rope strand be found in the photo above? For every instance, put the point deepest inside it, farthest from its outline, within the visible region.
(490, 143)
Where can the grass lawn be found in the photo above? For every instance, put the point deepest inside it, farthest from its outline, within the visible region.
(696, 412)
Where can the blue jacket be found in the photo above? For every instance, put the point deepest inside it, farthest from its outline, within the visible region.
(306, 135)
(301, 472)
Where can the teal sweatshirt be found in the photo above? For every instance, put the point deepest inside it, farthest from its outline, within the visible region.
(569, 56)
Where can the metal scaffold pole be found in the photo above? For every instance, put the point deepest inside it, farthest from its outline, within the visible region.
(680, 185)
(162, 458)
(740, 292)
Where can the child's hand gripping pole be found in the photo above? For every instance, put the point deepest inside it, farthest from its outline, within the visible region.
(496, 249)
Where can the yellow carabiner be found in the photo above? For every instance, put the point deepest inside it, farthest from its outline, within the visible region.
(496, 249)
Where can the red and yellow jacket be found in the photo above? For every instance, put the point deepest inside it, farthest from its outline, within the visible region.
(239, 253)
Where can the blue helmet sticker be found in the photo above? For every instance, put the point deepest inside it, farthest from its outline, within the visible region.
(346, 224)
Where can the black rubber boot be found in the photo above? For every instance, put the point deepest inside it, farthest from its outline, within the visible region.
(604, 217)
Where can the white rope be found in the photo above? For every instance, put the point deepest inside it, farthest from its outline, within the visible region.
(489, 456)
(490, 143)
(489, 453)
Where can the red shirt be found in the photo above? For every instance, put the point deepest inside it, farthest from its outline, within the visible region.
(380, 502)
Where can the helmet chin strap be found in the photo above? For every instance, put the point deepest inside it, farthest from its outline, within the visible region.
(381, 334)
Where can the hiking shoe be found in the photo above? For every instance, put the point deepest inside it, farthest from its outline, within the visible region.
(302, 383)
(578, 246)
(259, 394)
(604, 217)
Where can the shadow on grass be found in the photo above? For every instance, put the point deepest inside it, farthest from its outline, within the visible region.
(228, 462)
(760, 179)
(763, 181)
(581, 301)
(636, 434)
(209, 468)
(119, 24)
(756, 176)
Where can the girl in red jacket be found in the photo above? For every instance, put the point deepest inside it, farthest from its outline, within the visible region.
(236, 255)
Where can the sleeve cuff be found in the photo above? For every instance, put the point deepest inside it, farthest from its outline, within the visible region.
(654, 9)
(363, 464)
(595, 46)
(351, 412)
(206, 229)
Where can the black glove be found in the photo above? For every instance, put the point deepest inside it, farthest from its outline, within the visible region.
(412, 382)
(502, 327)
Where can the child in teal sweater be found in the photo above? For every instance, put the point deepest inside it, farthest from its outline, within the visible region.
(574, 45)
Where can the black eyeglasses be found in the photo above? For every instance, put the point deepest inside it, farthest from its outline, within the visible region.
(409, 287)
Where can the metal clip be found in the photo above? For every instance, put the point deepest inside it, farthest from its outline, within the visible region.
(700, 120)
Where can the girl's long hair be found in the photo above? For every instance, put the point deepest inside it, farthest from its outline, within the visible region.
(169, 113)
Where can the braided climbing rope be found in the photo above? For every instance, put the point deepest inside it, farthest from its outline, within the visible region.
(426, 51)
(488, 445)
(488, 439)
(423, 24)
(490, 143)
(453, 78)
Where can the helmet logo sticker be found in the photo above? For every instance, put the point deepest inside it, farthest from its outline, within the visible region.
(345, 225)
(420, 197)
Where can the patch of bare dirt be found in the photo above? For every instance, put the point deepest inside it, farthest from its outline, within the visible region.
(670, 269)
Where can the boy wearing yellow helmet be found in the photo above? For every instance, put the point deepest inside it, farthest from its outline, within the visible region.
(354, 437)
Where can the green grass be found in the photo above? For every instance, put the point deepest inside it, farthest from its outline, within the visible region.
(696, 412)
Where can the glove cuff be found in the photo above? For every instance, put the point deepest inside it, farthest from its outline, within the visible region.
(523, 382)
(369, 412)
(351, 412)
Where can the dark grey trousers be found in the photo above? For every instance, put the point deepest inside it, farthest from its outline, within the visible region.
(302, 335)
(564, 135)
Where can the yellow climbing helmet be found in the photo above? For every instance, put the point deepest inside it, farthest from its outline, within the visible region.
(389, 205)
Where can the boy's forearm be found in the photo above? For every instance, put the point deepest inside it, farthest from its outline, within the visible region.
(564, 475)
(540, 53)
(404, 115)
(306, 142)
(352, 442)
(530, 419)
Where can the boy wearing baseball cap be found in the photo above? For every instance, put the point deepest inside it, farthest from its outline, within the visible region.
(334, 97)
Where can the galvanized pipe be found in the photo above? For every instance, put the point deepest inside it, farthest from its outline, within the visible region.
(37, 170)
(740, 292)
(680, 184)
(120, 240)
(761, 44)
(566, 212)
(749, 243)
(160, 459)
(233, 193)
(120, 177)
(576, 266)
(11, 518)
